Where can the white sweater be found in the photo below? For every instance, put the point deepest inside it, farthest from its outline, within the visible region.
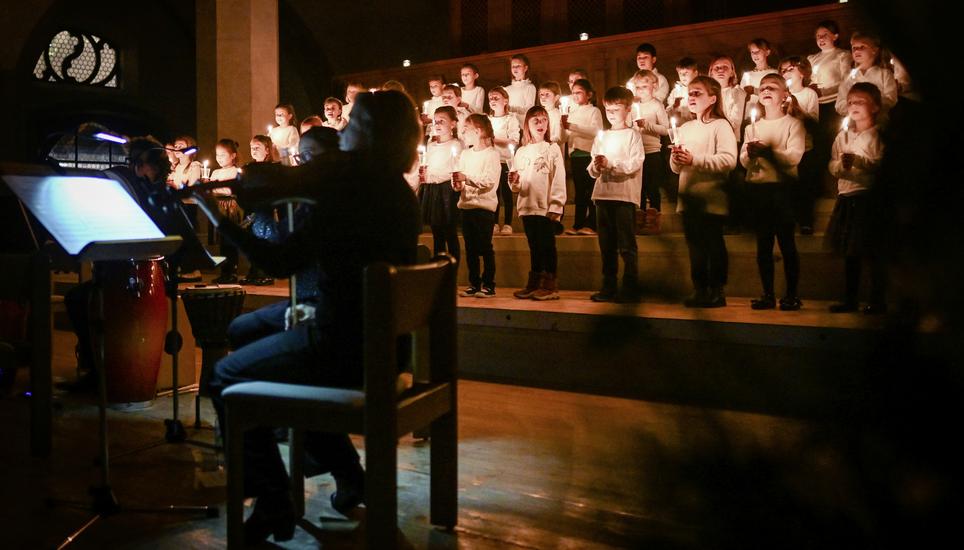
(522, 96)
(475, 99)
(622, 180)
(439, 160)
(881, 77)
(657, 123)
(734, 104)
(542, 179)
(809, 102)
(662, 86)
(829, 68)
(713, 146)
(482, 170)
(868, 148)
(786, 138)
(585, 121)
(505, 127)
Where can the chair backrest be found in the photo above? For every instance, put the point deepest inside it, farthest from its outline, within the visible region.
(400, 300)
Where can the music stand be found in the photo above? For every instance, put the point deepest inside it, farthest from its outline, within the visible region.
(95, 219)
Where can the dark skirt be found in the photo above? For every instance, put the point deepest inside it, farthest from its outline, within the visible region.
(439, 204)
(768, 205)
(849, 232)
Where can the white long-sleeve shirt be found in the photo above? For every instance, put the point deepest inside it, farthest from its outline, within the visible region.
(829, 68)
(475, 99)
(881, 77)
(662, 87)
(809, 103)
(734, 106)
(702, 184)
(585, 121)
(622, 179)
(786, 138)
(868, 148)
(505, 127)
(542, 179)
(482, 170)
(657, 120)
(522, 96)
(440, 160)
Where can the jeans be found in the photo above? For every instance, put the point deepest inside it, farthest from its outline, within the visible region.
(617, 236)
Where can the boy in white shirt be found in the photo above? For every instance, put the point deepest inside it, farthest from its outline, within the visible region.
(452, 97)
(617, 166)
(646, 61)
(652, 123)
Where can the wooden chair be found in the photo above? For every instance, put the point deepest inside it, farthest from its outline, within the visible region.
(397, 301)
(25, 283)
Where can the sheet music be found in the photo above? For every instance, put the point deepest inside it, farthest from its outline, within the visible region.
(80, 210)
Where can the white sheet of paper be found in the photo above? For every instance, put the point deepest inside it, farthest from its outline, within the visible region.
(80, 210)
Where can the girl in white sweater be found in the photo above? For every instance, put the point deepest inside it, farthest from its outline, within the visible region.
(549, 94)
(797, 72)
(285, 135)
(771, 152)
(477, 180)
(539, 176)
(505, 132)
(868, 67)
(703, 156)
(439, 202)
(583, 122)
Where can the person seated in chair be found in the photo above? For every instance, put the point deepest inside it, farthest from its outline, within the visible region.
(365, 213)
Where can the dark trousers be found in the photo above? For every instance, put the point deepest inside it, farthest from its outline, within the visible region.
(670, 181)
(704, 239)
(541, 235)
(773, 218)
(296, 356)
(505, 197)
(653, 174)
(445, 238)
(585, 215)
(617, 237)
(77, 303)
(807, 189)
(477, 227)
(878, 278)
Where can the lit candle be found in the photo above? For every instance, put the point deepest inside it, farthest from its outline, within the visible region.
(373, 90)
(564, 103)
(629, 85)
(599, 140)
(745, 81)
(789, 82)
(511, 155)
(675, 137)
(421, 155)
(425, 108)
(816, 69)
(845, 126)
(270, 127)
(205, 171)
(455, 153)
(636, 111)
(753, 116)
(292, 154)
(853, 73)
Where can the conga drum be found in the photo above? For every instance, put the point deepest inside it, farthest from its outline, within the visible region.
(210, 309)
(135, 324)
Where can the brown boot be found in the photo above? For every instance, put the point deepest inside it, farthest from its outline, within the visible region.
(531, 287)
(548, 289)
(651, 226)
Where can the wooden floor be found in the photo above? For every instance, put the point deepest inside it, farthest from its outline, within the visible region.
(538, 469)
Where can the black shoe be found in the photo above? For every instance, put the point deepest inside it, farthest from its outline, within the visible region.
(767, 301)
(715, 298)
(697, 299)
(486, 292)
(604, 295)
(273, 515)
(349, 492)
(469, 292)
(875, 308)
(226, 279)
(790, 303)
(843, 307)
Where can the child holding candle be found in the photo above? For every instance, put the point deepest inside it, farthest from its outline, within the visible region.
(774, 145)
(582, 124)
(226, 155)
(522, 92)
(855, 157)
(539, 176)
(868, 67)
(285, 135)
(549, 98)
(830, 65)
(452, 97)
(262, 222)
(187, 171)
(617, 166)
(438, 201)
(797, 72)
(652, 123)
(687, 70)
(476, 179)
(646, 61)
(333, 118)
(473, 95)
(704, 156)
(505, 131)
(760, 50)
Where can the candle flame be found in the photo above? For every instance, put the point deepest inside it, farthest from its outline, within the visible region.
(845, 125)
(753, 114)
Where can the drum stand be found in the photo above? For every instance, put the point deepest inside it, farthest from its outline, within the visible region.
(103, 501)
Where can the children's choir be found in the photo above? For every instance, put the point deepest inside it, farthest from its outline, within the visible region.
(771, 133)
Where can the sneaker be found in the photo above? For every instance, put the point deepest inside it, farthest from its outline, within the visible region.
(571, 231)
(469, 292)
(506, 229)
(604, 295)
(486, 292)
(586, 231)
